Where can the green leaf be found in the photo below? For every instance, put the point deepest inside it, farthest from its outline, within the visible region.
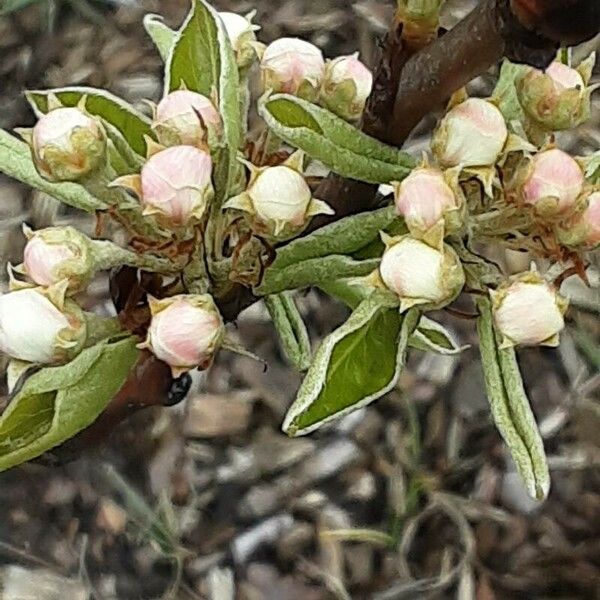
(510, 407)
(431, 336)
(340, 237)
(356, 364)
(314, 272)
(162, 35)
(55, 403)
(132, 124)
(203, 60)
(337, 144)
(293, 335)
(11, 6)
(16, 162)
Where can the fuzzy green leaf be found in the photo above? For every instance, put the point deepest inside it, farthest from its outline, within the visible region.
(54, 404)
(162, 35)
(355, 365)
(431, 336)
(132, 124)
(510, 407)
(337, 144)
(16, 162)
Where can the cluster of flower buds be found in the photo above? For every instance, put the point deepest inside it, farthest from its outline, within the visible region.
(294, 66)
(528, 311)
(185, 332)
(278, 202)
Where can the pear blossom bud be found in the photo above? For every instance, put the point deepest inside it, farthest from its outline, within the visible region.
(552, 182)
(242, 35)
(293, 66)
(346, 87)
(472, 134)
(557, 99)
(528, 311)
(185, 331)
(428, 204)
(67, 144)
(421, 275)
(176, 184)
(56, 254)
(186, 118)
(583, 228)
(33, 328)
(279, 200)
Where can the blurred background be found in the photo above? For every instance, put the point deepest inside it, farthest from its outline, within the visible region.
(414, 497)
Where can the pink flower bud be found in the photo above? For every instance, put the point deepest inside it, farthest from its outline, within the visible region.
(472, 134)
(421, 275)
(186, 118)
(56, 254)
(185, 331)
(33, 328)
(293, 66)
(528, 311)
(67, 144)
(583, 228)
(552, 183)
(346, 87)
(176, 184)
(242, 35)
(564, 77)
(425, 199)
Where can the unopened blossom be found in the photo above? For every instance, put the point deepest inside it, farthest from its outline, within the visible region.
(428, 204)
(242, 35)
(185, 331)
(293, 66)
(57, 254)
(472, 134)
(528, 311)
(186, 118)
(556, 99)
(38, 328)
(583, 228)
(552, 182)
(346, 87)
(67, 144)
(278, 200)
(175, 184)
(419, 274)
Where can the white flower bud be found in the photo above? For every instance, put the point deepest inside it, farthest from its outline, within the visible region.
(36, 329)
(528, 311)
(472, 134)
(421, 275)
(67, 144)
(346, 87)
(242, 35)
(428, 204)
(279, 200)
(58, 253)
(185, 331)
(186, 118)
(176, 184)
(552, 182)
(293, 66)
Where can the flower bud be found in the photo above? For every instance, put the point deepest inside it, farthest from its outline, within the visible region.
(242, 35)
(186, 118)
(293, 66)
(528, 311)
(279, 200)
(557, 99)
(583, 228)
(67, 144)
(185, 331)
(552, 182)
(472, 134)
(421, 275)
(56, 254)
(428, 204)
(346, 87)
(34, 327)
